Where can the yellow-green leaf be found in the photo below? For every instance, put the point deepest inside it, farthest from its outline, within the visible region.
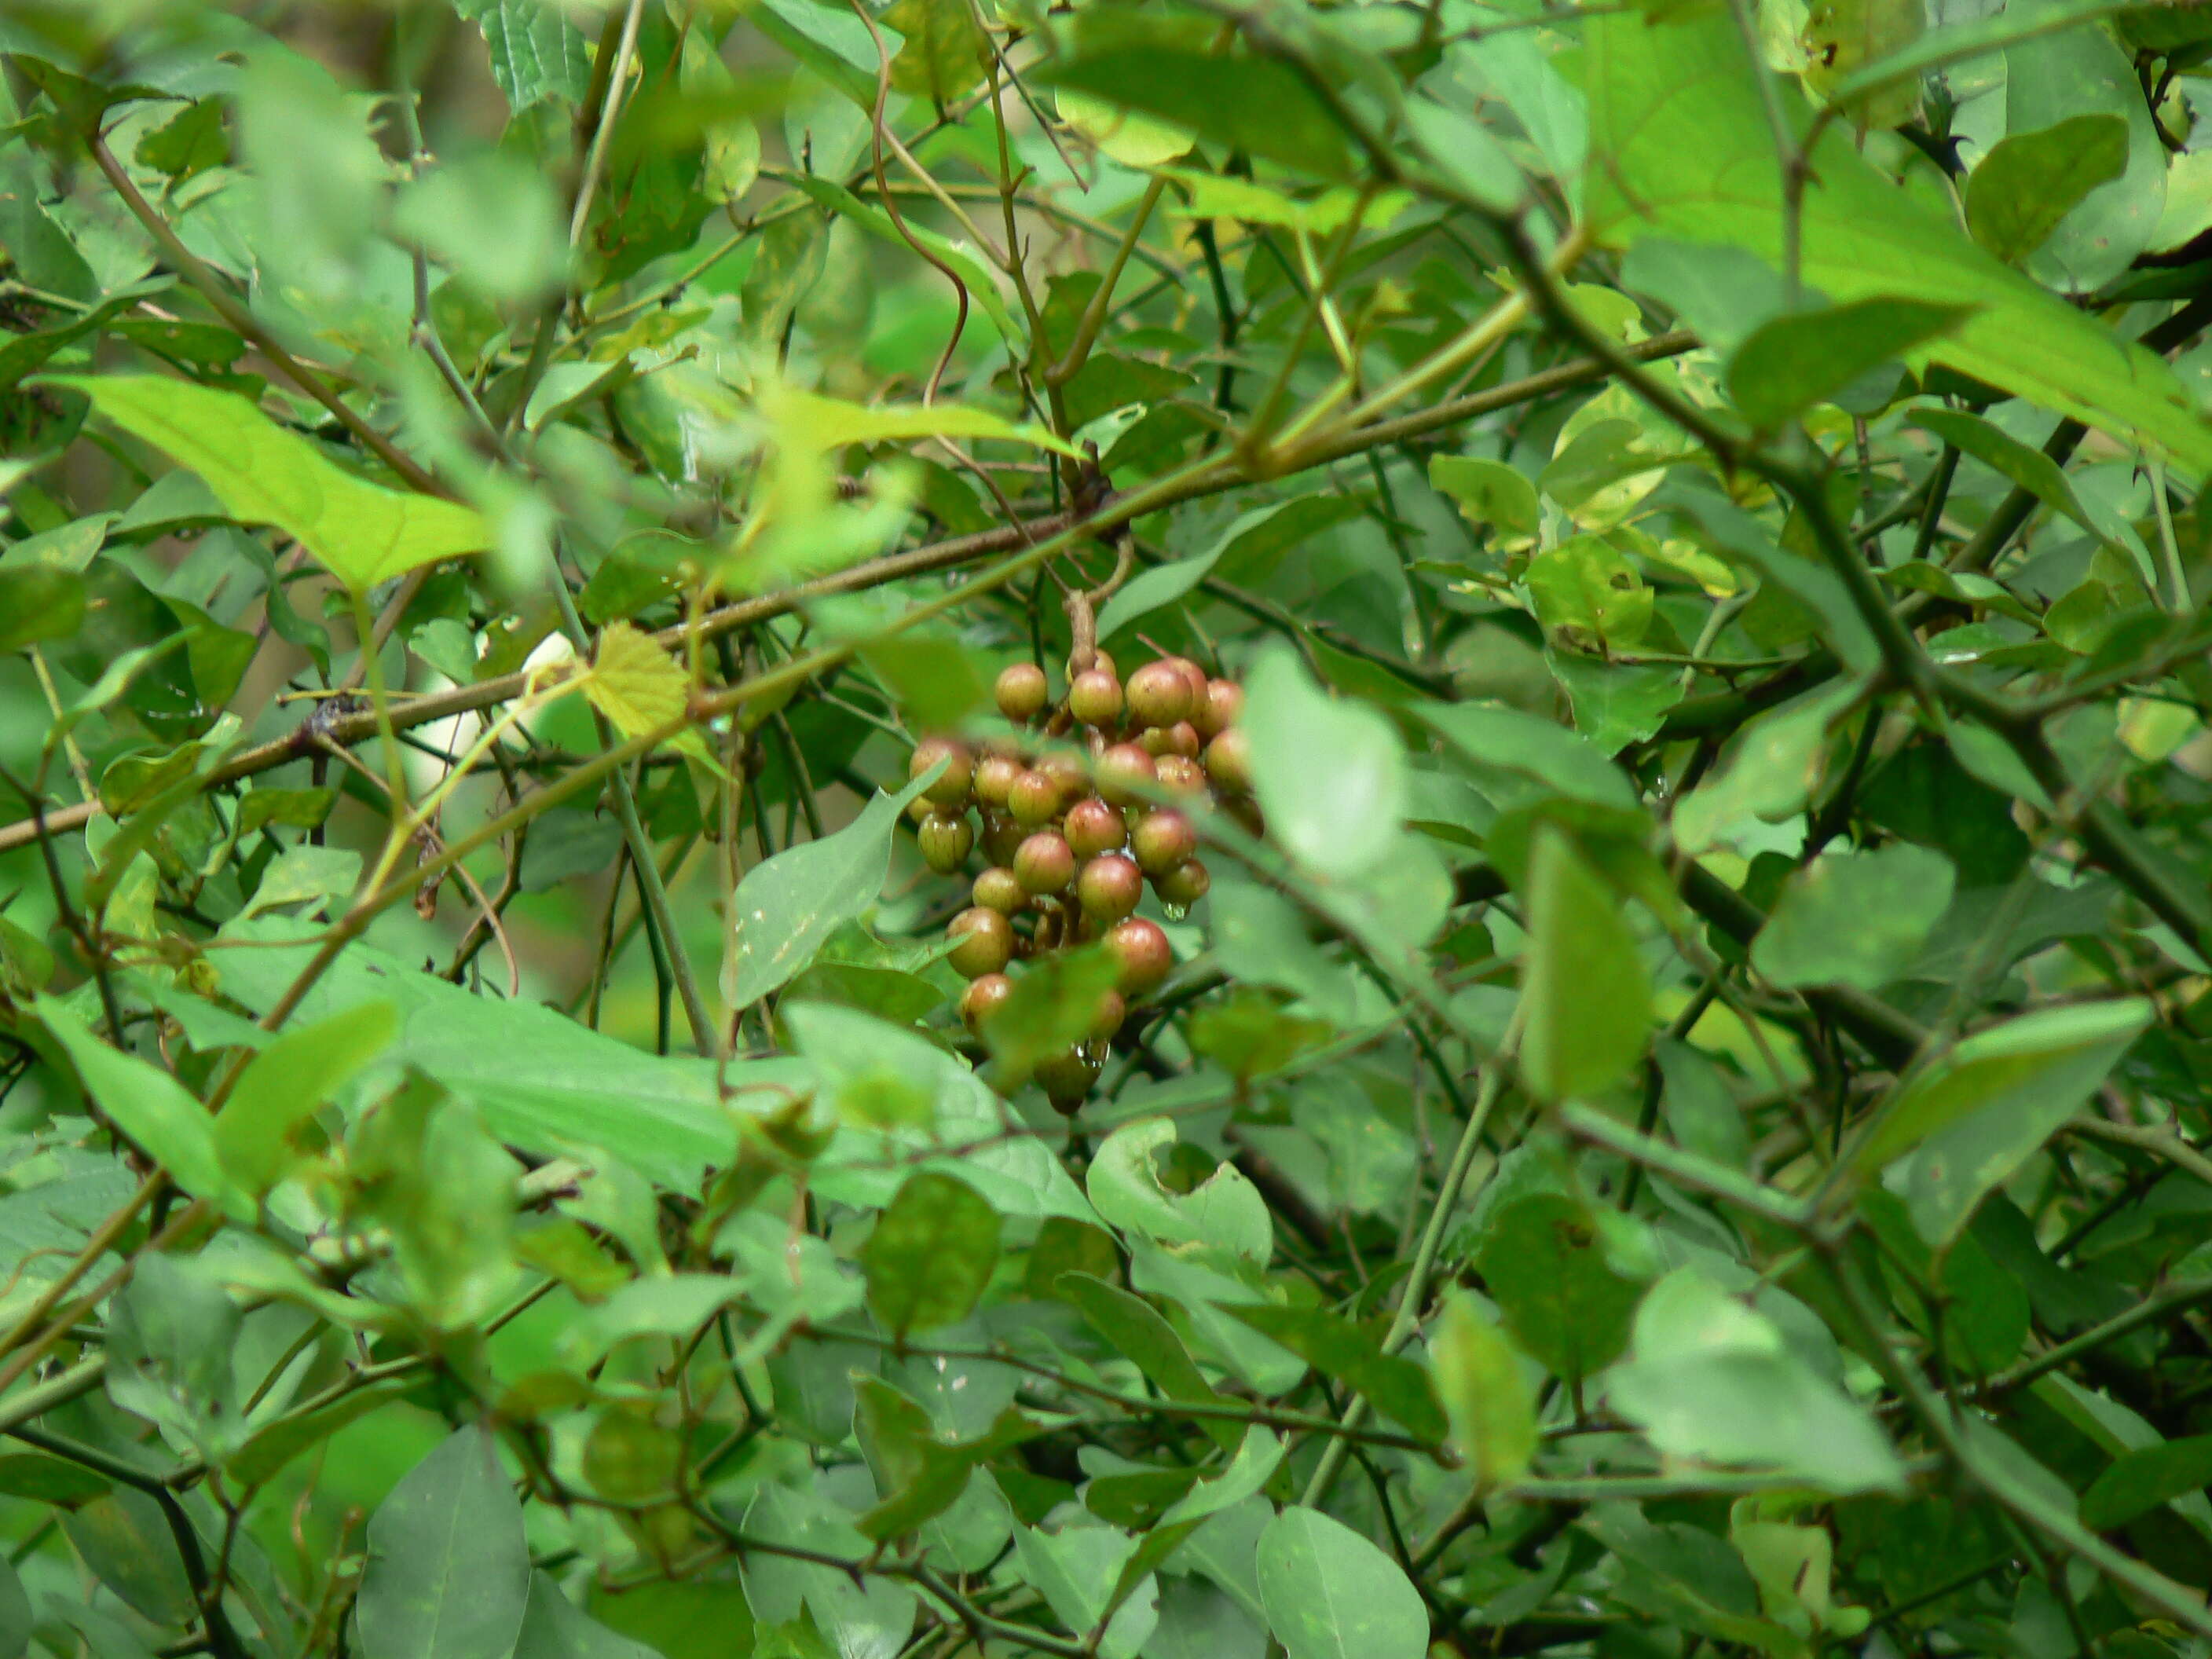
(264, 474)
(1478, 1378)
(638, 686)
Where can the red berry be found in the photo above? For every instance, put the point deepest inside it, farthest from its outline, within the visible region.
(998, 888)
(982, 943)
(1043, 863)
(1066, 1077)
(946, 841)
(1184, 885)
(1093, 828)
(1229, 761)
(1222, 708)
(1124, 771)
(981, 997)
(1141, 952)
(1179, 774)
(952, 789)
(1108, 887)
(1181, 739)
(1022, 692)
(1094, 698)
(1194, 677)
(994, 778)
(1162, 839)
(1159, 695)
(1035, 798)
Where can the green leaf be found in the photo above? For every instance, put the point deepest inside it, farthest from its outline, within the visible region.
(831, 41)
(1856, 919)
(144, 1103)
(931, 1255)
(1616, 704)
(1543, 1260)
(1479, 1379)
(2138, 1481)
(1134, 1328)
(554, 1627)
(1224, 1212)
(1681, 147)
(1586, 998)
(1541, 758)
(1396, 1386)
(1077, 1571)
(190, 141)
(1330, 1594)
(2029, 181)
(917, 420)
(15, 1617)
(863, 1616)
(1329, 773)
(787, 906)
(169, 1354)
(1586, 588)
(39, 602)
(264, 474)
(1490, 493)
(1790, 363)
(537, 52)
(1053, 1006)
(1979, 1113)
(945, 52)
(1713, 1381)
(448, 1569)
(2031, 469)
(288, 1082)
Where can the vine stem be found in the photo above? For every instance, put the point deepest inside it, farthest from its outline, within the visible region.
(1407, 1318)
(610, 107)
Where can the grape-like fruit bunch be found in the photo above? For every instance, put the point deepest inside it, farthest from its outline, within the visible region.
(1070, 821)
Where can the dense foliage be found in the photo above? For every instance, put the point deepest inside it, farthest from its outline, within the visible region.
(1133, 828)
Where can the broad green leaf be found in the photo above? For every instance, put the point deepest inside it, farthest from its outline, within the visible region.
(831, 41)
(1586, 589)
(1543, 1260)
(1855, 918)
(15, 1617)
(865, 1617)
(1054, 1006)
(1396, 1386)
(1479, 1380)
(1586, 998)
(1977, 1115)
(1843, 36)
(1132, 1325)
(2031, 469)
(2138, 1481)
(945, 52)
(425, 1167)
(1793, 361)
(290, 1080)
(1224, 1212)
(1329, 773)
(448, 1569)
(39, 602)
(931, 1255)
(1077, 1571)
(554, 1627)
(2029, 181)
(537, 50)
(916, 421)
(787, 906)
(144, 1103)
(634, 682)
(1680, 148)
(1766, 774)
(2086, 71)
(1254, 542)
(1713, 1381)
(169, 1354)
(1615, 704)
(1490, 493)
(1542, 757)
(1330, 1594)
(264, 474)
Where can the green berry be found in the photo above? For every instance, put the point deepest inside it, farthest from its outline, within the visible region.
(1181, 775)
(994, 778)
(1035, 798)
(1066, 1077)
(983, 996)
(1093, 827)
(1094, 698)
(1222, 708)
(1125, 772)
(1043, 863)
(1022, 692)
(1162, 839)
(952, 789)
(1229, 761)
(1181, 739)
(998, 888)
(1108, 887)
(1141, 955)
(1184, 885)
(946, 840)
(984, 943)
(1159, 695)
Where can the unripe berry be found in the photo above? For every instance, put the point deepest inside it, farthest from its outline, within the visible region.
(984, 943)
(1181, 739)
(946, 840)
(1093, 828)
(1124, 771)
(1163, 840)
(1043, 863)
(1184, 885)
(1112, 1011)
(1022, 692)
(1102, 660)
(1108, 887)
(998, 888)
(981, 997)
(952, 789)
(1194, 677)
(1035, 798)
(1229, 761)
(1066, 1077)
(1001, 836)
(994, 778)
(1094, 698)
(1180, 774)
(1140, 954)
(1222, 708)
(1067, 770)
(919, 810)
(1159, 695)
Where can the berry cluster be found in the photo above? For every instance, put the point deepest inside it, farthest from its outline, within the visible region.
(1075, 816)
